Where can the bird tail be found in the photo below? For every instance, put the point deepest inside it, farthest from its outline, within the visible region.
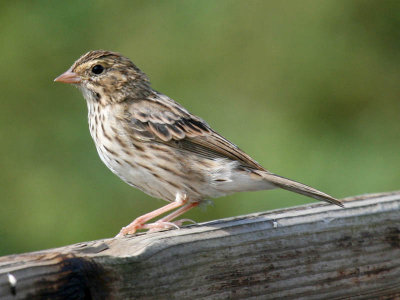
(299, 188)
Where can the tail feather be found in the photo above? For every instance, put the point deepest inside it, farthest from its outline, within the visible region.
(299, 188)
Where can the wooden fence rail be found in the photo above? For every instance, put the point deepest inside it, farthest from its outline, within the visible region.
(313, 251)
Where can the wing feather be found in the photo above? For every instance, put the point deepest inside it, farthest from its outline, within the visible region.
(160, 119)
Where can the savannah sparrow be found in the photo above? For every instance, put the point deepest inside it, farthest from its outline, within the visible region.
(154, 144)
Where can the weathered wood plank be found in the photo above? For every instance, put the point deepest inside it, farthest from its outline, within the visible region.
(309, 252)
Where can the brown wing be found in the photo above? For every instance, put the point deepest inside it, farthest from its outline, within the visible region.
(217, 143)
(163, 120)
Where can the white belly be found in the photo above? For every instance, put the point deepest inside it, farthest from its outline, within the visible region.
(163, 176)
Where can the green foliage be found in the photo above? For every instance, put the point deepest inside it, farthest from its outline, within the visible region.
(310, 89)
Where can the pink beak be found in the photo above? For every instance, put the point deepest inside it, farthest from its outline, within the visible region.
(68, 77)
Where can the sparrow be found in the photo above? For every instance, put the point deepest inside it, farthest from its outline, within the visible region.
(157, 146)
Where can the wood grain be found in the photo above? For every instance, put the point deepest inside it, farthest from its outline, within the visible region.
(313, 251)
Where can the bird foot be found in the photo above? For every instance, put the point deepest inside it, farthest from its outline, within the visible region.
(181, 221)
(160, 225)
(152, 227)
(130, 229)
(164, 223)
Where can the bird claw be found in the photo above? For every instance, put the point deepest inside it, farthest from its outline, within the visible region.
(180, 222)
(127, 230)
(160, 225)
(152, 227)
(164, 223)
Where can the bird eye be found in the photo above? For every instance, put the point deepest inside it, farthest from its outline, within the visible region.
(97, 69)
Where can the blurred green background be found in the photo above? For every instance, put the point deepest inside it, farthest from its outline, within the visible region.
(310, 89)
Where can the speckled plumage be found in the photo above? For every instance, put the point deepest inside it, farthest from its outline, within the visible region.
(154, 144)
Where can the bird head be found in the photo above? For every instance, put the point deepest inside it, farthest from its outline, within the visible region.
(107, 77)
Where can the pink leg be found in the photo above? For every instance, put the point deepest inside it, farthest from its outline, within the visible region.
(165, 222)
(179, 212)
(139, 222)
